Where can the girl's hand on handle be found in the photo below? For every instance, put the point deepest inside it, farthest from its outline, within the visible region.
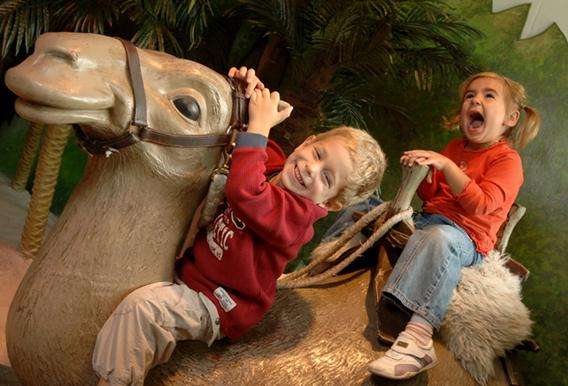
(426, 158)
(455, 177)
(264, 112)
(249, 76)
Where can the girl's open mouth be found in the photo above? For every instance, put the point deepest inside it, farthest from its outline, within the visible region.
(476, 119)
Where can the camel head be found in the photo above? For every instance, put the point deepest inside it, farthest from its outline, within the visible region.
(75, 78)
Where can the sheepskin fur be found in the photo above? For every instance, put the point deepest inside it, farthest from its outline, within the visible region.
(486, 316)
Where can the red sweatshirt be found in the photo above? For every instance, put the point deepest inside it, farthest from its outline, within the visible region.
(496, 175)
(237, 260)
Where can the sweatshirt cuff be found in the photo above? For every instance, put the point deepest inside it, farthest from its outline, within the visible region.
(251, 140)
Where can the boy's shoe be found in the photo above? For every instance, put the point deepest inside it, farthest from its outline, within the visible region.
(404, 359)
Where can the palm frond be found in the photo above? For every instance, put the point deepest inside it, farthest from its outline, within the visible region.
(88, 15)
(7, 7)
(271, 17)
(339, 110)
(21, 22)
(156, 22)
(192, 19)
(369, 97)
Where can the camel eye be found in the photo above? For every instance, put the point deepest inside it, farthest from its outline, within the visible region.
(188, 106)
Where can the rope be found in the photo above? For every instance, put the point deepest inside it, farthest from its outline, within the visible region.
(26, 161)
(44, 186)
(324, 253)
(295, 281)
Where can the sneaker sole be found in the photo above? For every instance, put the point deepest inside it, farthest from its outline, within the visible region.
(406, 375)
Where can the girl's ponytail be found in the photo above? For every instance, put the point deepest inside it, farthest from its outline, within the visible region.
(527, 129)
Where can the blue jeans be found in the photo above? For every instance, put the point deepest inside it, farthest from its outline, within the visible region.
(429, 268)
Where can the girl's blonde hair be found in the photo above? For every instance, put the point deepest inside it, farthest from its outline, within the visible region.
(369, 163)
(527, 127)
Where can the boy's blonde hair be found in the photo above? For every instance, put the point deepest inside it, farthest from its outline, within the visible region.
(527, 127)
(369, 164)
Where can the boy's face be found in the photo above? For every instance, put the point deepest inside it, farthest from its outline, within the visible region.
(318, 170)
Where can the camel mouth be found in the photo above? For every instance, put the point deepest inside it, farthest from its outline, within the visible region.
(51, 115)
(34, 104)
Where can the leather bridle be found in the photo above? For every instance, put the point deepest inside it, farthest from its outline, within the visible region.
(139, 130)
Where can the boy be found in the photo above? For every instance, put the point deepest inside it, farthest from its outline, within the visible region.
(228, 278)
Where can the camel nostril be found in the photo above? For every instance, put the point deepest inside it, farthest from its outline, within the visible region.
(69, 56)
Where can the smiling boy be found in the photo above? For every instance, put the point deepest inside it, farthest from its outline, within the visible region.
(228, 278)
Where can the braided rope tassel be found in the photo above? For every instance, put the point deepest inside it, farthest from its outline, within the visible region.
(296, 282)
(26, 160)
(44, 186)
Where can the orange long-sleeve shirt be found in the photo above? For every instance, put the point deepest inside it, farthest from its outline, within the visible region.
(496, 175)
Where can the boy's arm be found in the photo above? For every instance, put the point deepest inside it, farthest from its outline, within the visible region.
(264, 113)
(249, 76)
(269, 211)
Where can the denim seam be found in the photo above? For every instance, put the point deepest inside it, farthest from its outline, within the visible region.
(437, 279)
(392, 287)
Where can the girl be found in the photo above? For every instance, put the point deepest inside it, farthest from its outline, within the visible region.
(469, 190)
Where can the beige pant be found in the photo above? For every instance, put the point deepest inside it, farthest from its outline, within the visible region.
(143, 330)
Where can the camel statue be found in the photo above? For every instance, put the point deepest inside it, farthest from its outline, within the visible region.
(125, 221)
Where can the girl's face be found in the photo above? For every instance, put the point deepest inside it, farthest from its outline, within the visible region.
(484, 117)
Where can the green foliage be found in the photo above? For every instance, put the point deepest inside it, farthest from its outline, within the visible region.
(86, 15)
(22, 22)
(166, 25)
(336, 51)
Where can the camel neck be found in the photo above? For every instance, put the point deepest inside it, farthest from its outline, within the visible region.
(124, 214)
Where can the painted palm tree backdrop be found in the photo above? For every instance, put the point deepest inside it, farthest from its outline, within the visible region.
(335, 61)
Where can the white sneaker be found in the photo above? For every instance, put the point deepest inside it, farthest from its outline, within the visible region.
(404, 359)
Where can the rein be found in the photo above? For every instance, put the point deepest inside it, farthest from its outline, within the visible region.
(302, 278)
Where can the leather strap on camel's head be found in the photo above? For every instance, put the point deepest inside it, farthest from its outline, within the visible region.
(139, 130)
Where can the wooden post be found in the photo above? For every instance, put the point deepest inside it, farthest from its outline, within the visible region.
(44, 187)
(26, 161)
